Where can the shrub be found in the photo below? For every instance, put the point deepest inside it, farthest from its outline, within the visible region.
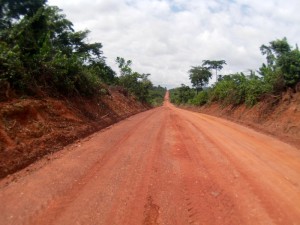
(201, 98)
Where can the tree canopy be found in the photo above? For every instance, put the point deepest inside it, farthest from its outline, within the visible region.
(136, 83)
(182, 94)
(280, 73)
(199, 77)
(282, 60)
(41, 52)
(11, 11)
(214, 64)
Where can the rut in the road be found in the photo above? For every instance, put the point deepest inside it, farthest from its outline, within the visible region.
(164, 166)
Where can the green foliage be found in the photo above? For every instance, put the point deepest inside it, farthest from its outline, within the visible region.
(199, 77)
(234, 89)
(156, 95)
(237, 89)
(41, 51)
(103, 72)
(256, 87)
(137, 84)
(214, 64)
(124, 66)
(201, 98)
(11, 67)
(11, 11)
(281, 72)
(283, 64)
(181, 95)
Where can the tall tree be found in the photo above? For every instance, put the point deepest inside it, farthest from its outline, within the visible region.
(182, 94)
(199, 77)
(282, 60)
(12, 10)
(214, 64)
(39, 49)
(136, 83)
(124, 66)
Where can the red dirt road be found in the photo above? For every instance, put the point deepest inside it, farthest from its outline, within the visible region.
(166, 166)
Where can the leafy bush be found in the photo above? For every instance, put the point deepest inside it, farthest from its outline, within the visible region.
(201, 98)
(182, 95)
(237, 89)
(137, 84)
(256, 87)
(11, 66)
(283, 64)
(230, 90)
(39, 50)
(156, 95)
(282, 71)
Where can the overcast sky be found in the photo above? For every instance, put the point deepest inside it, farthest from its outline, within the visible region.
(167, 37)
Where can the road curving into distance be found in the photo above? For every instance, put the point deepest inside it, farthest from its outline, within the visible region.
(166, 166)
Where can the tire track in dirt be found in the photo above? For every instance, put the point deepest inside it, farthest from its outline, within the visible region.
(49, 198)
(143, 191)
(240, 177)
(57, 204)
(163, 167)
(139, 184)
(204, 183)
(191, 180)
(151, 212)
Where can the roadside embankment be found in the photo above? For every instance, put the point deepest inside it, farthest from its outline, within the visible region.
(277, 117)
(33, 128)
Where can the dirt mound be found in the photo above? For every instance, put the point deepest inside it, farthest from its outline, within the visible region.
(32, 128)
(278, 117)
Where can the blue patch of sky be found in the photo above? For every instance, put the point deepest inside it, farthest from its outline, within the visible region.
(246, 9)
(218, 6)
(221, 5)
(215, 9)
(130, 2)
(176, 8)
(231, 1)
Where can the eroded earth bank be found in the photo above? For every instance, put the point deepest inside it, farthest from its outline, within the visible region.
(163, 166)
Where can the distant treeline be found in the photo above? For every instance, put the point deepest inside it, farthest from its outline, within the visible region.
(156, 95)
(41, 54)
(281, 72)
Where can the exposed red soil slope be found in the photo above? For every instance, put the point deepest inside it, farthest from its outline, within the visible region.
(32, 128)
(280, 118)
(165, 166)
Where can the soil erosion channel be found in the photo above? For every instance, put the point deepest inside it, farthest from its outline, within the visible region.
(164, 166)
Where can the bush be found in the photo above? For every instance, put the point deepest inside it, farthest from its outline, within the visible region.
(282, 71)
(156, 95)
(231, 89)
(182, 95)
(255, 88)
(40, 52)
(237, 89)
(201, 98)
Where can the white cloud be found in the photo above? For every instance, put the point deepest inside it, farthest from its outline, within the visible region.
(167, 37)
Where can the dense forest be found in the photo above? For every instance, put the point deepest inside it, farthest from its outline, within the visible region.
(280, 73)
(42, 55)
